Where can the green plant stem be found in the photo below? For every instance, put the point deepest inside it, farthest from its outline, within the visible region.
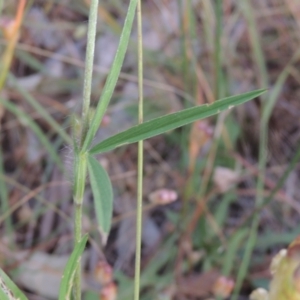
(273, 96)
(89, 61)
(263, 137)
(4, 203)
(260, 202)
(112, 76)
(139, 221)
(258, 56)
(80, 166)
(218, 53)
(218, 91)
(80, 170)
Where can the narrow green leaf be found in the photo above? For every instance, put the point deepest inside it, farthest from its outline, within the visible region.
(4, 202)
(3, 295)
(277, 88)
(39, 108)
(70, 269)
(232, 249)
(102, 192)
(27, 120)
(162, 124)
(8, 289)
(112, 76)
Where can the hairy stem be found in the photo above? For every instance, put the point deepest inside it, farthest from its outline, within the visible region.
(80, 167)
(79, 187)
(89, 61)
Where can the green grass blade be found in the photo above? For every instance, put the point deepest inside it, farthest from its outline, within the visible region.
(221, 213)
(30, 60)
(4, 200)
(277, 89)
(243, 268)
(246, 8)
(267, 111)
(291, 166)
(112, 76)
(7, 286)
(162, 124)
(102, 192)
(25, 119)
(231, 253)
(39, 108)
(70, 269)
(3, 295)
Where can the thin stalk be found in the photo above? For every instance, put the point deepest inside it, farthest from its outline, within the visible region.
(112, 77)
(268, 199)
(187, 35)
(209, 21)
(267, 110)
(89, 61)
(139, 214)
(218, 94)
(80, 166)
(258, 56)
(80, 170)
(218, 58)
(258, 202)
(4, 203)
